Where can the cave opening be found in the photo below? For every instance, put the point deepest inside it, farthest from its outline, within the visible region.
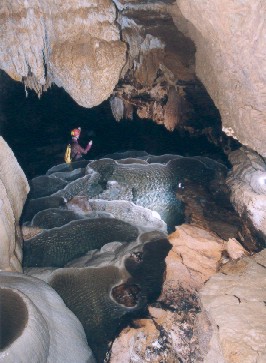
(38, 129)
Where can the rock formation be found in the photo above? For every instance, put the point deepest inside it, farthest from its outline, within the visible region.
(13, 193)
(95, 231)
(169, 45)
(151, 185)
(247, 182)
(160, 64)
(75, 45)
(103, 248)
(103, 288)
(235, 303)
(36, 326)
(177, 328)
(111, 251)
(162, 60)
(230, 61)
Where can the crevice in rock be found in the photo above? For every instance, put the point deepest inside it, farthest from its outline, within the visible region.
(237, 298)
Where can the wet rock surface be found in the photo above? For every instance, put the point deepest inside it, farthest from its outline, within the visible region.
(126, 294)
(33, 206)
(42, 186)
(121, 209)
(53, 217)
(151, 185)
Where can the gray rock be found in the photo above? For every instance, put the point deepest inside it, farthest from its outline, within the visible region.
(58, 246)
(44, 185)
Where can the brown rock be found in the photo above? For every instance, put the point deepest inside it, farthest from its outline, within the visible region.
(126, 294)
(79, 205)
(133, 343)
(193, 259)
(235, 250)
(177, 328)
(152, 342)
(29, 232)
(235, 303)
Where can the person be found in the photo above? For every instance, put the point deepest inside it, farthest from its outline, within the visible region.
(76, 150)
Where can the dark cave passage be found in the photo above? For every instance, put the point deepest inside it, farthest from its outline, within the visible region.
(38, 130)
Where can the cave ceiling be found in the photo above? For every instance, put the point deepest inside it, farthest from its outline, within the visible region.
(153, 58)
(160, 63)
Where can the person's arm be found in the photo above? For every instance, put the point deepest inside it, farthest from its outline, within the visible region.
(88, 147)
(80, 149)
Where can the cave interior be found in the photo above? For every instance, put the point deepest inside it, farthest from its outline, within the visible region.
(124, 208)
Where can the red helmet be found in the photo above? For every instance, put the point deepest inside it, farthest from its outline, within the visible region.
(76, 132)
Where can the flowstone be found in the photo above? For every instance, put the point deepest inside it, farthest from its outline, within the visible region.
(43, 185)
(102, 238)
(99, 294)
(68, 168)
(58, 246)
(53, 217)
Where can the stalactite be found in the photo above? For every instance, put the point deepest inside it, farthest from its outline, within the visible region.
(117, 107)
(158, 113)
(31, 82)
(172, 110)
(128, 110)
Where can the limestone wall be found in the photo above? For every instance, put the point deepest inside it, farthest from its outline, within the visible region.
(231, 62)
(13, 193)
